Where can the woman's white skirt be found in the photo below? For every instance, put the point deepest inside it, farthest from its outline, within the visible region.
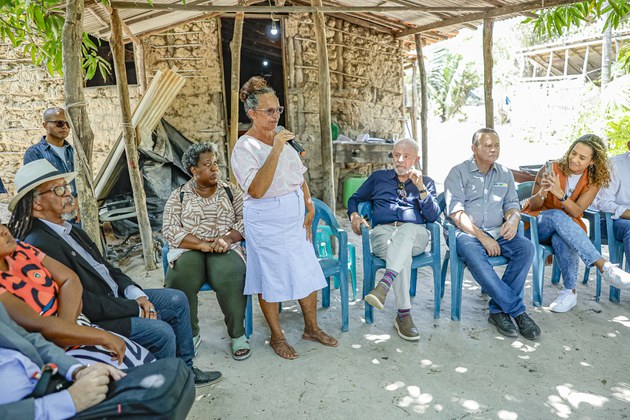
(281, 262)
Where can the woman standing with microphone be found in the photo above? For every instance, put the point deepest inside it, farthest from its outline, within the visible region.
(281, 262)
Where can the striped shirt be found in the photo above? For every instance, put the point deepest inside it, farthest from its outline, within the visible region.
(204, 218)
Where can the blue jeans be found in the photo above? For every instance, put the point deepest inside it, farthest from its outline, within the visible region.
(170, 335)
(621, 227)
(506, 292)
(569, 242)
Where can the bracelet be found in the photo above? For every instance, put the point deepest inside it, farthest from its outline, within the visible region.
(565, 197)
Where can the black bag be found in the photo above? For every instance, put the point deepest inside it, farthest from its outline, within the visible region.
(164, 389)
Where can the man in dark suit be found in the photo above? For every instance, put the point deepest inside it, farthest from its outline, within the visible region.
(22, 355)
(157, 319)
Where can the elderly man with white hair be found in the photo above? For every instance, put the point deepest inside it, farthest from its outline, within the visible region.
(402, 199)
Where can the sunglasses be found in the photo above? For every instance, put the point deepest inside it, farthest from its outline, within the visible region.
(59, 191)
(272, 111)
(401, 191)
(60, 123)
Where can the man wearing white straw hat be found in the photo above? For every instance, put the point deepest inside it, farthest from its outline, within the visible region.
(157, 319)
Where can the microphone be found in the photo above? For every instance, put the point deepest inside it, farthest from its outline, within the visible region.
(298, 148)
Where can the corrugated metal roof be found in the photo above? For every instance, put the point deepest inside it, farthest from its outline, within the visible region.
(442, 20)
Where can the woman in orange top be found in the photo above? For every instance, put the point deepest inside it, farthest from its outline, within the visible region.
(558, 201)
(42, 295)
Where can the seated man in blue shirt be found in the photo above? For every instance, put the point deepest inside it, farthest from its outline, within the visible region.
(481, 201)
(402, 201)
(22, 356)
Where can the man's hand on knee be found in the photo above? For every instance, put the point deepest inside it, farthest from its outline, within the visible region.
(490, 245)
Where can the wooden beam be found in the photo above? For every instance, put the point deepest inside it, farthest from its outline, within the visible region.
(487, 71)
(586, 58)
(566, 62)
(129, 135)
(550, 64)
(289, 9)
(424, 105)
(491, 13)
(324, 107)
(235, 84)
(413, 114)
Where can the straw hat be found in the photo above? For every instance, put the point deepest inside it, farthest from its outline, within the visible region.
(34, 174)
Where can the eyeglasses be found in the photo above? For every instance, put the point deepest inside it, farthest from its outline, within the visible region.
(60, 191)
(401, 191)
(60, 123)
(272, 111)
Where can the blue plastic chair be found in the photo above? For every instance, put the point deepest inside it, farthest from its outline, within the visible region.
(332, 266)
(616, 254)
(206, 287)
(372, 263)
(325, 251)
(457, 265)
(542, 251)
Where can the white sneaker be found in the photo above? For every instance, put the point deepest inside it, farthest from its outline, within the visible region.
(616, 276)
(565, 301)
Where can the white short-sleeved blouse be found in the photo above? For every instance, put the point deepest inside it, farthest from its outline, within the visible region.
(250, 154)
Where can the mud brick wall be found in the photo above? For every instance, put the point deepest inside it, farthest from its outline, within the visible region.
(193, 51)
(366, 86)
(26, 91)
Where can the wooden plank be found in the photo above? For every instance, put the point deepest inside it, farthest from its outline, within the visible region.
(235, 48)
(413, 114)
(487, 71)
(324, 107)
(172, 7)
(550, 64)
(492, 13)
(424, 105)
(566, 61)
(129, 135)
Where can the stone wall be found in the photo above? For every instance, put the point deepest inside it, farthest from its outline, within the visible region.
(26, 91)
(366, 86)
(366, 90)
(193, 51)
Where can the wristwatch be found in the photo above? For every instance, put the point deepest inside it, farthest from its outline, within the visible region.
(422, 191)
(564, 197)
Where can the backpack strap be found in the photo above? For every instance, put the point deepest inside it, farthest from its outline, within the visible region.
(228, 191)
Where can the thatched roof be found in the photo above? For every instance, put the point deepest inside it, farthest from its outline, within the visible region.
(436, 19)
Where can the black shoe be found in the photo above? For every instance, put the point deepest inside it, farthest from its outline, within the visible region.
(206, 378)
(527, 326)
(504, 324)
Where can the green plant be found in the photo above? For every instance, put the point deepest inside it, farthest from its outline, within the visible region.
(618, 133)
(36, 26)
(558, 20)
(450, 82)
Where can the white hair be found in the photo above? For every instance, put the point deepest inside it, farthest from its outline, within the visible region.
(411, 142)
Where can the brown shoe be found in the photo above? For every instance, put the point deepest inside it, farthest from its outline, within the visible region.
(377, 296)
(406, 329)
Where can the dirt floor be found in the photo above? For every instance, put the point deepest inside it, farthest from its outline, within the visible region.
(578, 369)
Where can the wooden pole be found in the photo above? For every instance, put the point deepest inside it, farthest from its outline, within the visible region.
(235, 83)
(607, 54)
(324, 107)
(487, 71)
(424, 105)
(77, 115)
(129, 135)
(413, 115)
(141, 71)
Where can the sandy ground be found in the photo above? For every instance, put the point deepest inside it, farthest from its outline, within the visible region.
(578, 369)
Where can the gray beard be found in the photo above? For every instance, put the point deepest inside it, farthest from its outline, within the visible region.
(70, 216)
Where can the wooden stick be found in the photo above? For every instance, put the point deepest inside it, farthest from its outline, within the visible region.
(413, 114)
(324, 107)
(491, 13)
(235, 47)
(424, 105)
(487, 71)
(288, 9)
(129, 135)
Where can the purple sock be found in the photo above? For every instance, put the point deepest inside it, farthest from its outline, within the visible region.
(403, 313)
(388, 278)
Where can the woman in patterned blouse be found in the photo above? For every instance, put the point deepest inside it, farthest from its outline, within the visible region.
(203, 223)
